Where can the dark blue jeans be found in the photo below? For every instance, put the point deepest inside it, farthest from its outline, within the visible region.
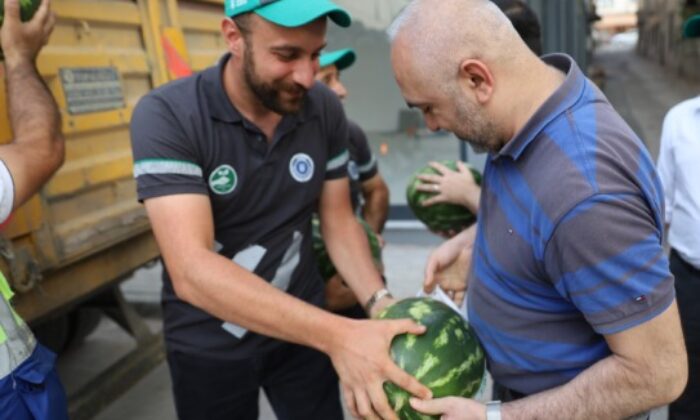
(299, 382)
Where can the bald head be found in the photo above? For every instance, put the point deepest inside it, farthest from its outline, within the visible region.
(463, 64)
(438, 35)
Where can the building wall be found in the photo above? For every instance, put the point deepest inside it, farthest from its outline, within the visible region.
(660, 35)
(374, 99)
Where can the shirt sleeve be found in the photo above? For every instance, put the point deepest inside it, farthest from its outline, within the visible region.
(366, 161)
(337, 137)
(165, 158)
(7, 192)
(605, 256)
(665, 165)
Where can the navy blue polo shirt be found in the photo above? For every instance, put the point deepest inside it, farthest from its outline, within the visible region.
(188, 138)
(569, 242)
(362, 165)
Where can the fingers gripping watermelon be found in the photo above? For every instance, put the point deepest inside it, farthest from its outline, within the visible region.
(27, 8)
(447, 358)
(325, 265)
(440, 217)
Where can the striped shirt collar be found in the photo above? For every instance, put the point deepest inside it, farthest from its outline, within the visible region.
(562, 99)
(220, 106)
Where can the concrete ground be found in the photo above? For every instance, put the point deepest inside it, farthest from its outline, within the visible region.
(640, 90)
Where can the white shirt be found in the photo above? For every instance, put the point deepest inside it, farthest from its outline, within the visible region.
(679, 170)
(7, 192)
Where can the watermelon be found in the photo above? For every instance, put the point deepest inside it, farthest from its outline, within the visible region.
(440, 217)
(325, 264)
(27, 8)
(447, 358)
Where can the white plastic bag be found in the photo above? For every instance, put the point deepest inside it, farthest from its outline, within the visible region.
(440, 295)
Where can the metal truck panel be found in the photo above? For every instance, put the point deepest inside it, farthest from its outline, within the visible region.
(85, 231)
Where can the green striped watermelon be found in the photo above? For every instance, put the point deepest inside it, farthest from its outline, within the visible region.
(325, 264)
(447, 358)
(440, 217)
(27, 8)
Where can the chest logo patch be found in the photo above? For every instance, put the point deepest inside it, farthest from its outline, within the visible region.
(301, 166)
(353, 172)
(223, 180)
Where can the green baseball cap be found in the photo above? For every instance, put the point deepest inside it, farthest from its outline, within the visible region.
(341, 58)
(289, 13)
(691, 27)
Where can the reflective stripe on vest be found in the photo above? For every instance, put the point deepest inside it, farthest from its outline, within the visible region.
(16, 340)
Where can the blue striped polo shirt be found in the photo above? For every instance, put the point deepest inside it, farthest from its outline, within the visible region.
(569, 243)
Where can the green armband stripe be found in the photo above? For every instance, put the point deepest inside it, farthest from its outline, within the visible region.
(166, 166)
(368, 166)
(338, 161)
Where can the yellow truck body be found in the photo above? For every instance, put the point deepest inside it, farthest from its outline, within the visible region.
(85, 231)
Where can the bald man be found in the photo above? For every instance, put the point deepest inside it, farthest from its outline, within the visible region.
(569, 290)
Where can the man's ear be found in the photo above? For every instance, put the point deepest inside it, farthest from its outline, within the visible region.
(233, 36)
(475, 77)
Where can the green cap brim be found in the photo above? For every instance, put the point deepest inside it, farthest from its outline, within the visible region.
(342, 59)
(691, 27)
(294, 13)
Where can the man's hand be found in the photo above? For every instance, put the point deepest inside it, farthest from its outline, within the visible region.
(360, 355)
(21, 42)
(455, 187)
(451, 408)
(449, 266)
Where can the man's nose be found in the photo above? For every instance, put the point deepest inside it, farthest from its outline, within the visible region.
(305, 73)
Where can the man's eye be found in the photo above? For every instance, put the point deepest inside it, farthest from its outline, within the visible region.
(286, 57)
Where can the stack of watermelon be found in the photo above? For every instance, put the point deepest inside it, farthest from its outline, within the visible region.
(447, 358)
(27, 8)
(442, 217)
(325, 264)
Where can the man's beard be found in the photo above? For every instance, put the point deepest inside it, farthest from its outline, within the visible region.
(475, 128)
(269, 94)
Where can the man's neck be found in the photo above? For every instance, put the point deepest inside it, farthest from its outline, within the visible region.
(247, 103)
(532, 92)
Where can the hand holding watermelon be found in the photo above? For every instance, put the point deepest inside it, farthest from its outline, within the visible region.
(443, 216)
(26, 26)
(450, 408)
(360, 355)
(448, 185)
(449, 266)
(447, 358)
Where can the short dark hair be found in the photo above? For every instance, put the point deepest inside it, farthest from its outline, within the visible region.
(525, 22)
(244, 23)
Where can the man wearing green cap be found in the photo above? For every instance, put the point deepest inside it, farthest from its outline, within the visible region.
(231, 163)
(369, 192)
(691, 27)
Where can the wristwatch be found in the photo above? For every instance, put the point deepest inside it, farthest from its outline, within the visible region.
(493, 410)
(376, 297)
